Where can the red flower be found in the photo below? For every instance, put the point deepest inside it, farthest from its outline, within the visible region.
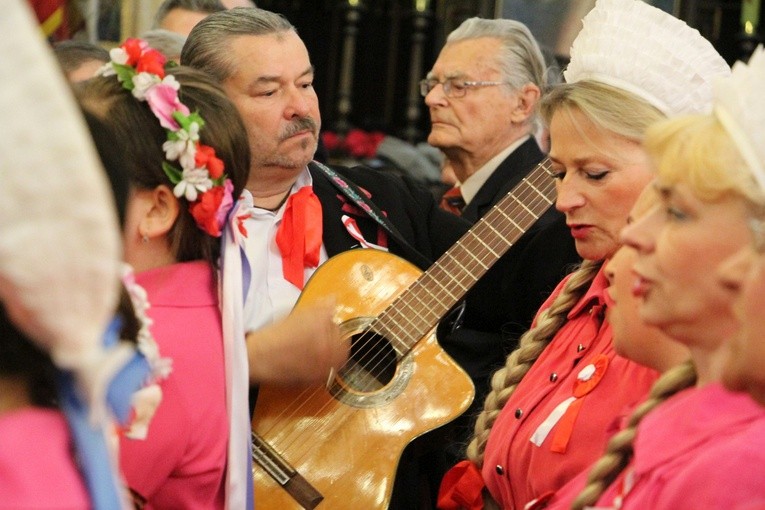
(205, 210)
(133, 47)
(205, 157)
(331, 140)
(361, 144)
(152, 61)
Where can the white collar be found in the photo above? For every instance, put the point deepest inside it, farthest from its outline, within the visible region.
(469, 189)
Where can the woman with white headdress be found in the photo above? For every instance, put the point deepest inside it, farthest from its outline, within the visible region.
(690, 445)
(548, 414)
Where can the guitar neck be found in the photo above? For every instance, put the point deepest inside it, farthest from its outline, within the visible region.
(437, 290)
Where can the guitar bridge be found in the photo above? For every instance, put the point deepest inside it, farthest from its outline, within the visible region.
(284, 474)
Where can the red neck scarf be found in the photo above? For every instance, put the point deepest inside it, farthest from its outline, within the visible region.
(299, 235)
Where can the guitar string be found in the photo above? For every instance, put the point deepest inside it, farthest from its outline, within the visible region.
(330, 425)
(449, 259)
(472, 275)
(445, 265)
(452, 260)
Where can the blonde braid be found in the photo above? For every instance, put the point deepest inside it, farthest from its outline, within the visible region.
(519, 362)
(620, 450)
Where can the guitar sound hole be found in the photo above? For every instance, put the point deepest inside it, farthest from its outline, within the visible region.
(372, 364)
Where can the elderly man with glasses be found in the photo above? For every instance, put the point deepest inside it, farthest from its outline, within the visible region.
(482, 93)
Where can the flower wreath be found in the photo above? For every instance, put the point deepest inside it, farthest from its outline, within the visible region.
(201, 179)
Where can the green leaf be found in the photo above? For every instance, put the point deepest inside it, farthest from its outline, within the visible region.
(195, 117)
(125, 75)
(172, 173)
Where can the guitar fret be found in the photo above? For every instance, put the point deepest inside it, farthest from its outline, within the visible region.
(424, 303)
(444, 285)
(499, 234)
(542, 195)
(508, 218)
(463, 267)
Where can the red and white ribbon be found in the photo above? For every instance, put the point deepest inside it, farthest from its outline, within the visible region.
(564, 415)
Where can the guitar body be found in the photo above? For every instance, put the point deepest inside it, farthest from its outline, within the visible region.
(346, 440)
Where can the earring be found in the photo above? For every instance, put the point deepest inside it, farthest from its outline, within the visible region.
(145, 238)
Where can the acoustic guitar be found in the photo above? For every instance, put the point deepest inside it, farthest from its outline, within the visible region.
(337, 447)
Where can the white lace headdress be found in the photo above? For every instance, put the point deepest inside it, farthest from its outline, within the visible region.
(740, 105)
(648, 52)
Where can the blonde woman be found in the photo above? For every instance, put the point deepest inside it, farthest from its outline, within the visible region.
(678, 450)
(632, 337)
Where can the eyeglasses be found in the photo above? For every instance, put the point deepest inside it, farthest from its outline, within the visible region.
(454, 87)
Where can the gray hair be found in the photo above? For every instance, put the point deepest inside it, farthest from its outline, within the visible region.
(206, 47)
(205, 6)
(520, 60)
(166, 42)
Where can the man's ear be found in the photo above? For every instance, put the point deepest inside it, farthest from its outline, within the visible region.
(161, 212)
(526, 102)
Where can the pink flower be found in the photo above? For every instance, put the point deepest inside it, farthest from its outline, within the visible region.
(227, 203)
(163, 101)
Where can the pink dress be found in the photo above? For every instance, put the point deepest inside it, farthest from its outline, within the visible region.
(36, 466)
(182, 462)
(580, 367)
(703, 448)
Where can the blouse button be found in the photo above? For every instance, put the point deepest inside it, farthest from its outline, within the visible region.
(518, 413)
(580, 348)
(500, 470)
(553, 377)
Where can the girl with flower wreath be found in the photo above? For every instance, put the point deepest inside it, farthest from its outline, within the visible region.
(188, 159)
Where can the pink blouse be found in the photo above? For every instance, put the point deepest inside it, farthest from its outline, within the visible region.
(703, 448)
(182, 462)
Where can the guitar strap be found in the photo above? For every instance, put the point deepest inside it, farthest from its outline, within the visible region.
(358, 197)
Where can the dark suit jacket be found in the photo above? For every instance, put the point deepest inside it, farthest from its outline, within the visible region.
(504, 303)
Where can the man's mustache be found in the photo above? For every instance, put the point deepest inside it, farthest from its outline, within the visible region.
(298, 125)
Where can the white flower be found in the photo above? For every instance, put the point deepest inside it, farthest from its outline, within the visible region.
(193, 133)
(106, 70)
(193, 181)
(172, 82)
(184, 148)
(118, 56)
(143, 82)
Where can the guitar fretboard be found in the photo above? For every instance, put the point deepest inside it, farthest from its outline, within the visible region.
(437, 290)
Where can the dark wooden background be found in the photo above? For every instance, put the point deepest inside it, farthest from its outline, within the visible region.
(369, 54)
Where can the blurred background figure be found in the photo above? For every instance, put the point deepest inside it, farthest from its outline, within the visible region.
(166, 42)
(80, 59)
(180, 16)
(65, 374)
